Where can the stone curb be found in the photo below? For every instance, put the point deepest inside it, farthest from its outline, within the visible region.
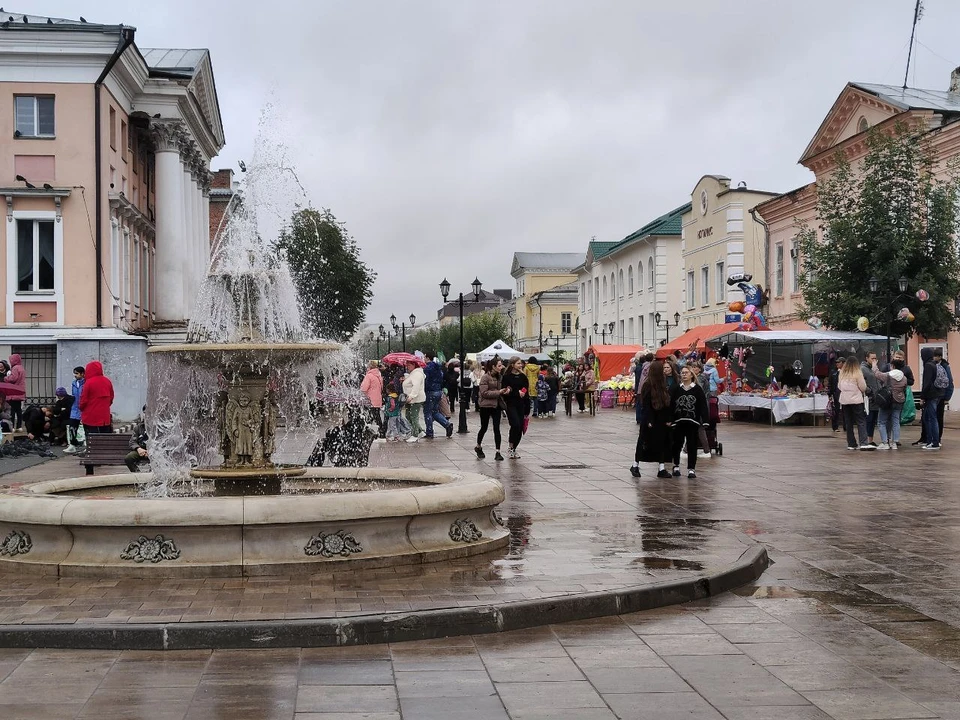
(393, 627)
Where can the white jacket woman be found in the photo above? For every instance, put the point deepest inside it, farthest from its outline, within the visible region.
(413, 388)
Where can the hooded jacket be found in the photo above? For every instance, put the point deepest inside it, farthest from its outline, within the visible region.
(372, 387)
(18, 378)
(532, 371)
(76, 388)
(433, 377)
(413, 386)
(97, 397)
(490, 396)
(927, 390)
(896, 380)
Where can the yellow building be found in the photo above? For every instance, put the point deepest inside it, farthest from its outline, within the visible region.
(546, 300)
(720, 238)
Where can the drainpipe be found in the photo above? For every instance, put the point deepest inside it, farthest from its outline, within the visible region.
(536, 299)
(126, 40)
(766, 250)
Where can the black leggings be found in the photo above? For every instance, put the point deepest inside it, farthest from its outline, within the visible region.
(16, 413)
(690, 432)
(486, 415)
(515, 418)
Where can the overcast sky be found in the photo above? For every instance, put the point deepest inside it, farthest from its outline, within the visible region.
(450, 134)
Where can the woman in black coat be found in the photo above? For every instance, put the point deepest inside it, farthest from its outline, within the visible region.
(657, 417)
(517, 400)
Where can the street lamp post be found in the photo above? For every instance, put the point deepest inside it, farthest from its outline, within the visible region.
(381, 335)
(510, 316)
(372, 336)
(902, 285)
(602, 329)
(403, 327)
(666, 324)
(445, 291)
(555, 339)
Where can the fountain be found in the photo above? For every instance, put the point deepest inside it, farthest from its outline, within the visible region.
(223, 408)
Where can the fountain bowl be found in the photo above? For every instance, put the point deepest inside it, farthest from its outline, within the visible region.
(78, 527)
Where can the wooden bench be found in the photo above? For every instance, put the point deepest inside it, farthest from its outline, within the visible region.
(105, 449)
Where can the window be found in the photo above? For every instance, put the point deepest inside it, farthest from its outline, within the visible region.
(596, 294)
(34, 115)
(123, 140)
(113, 129)
(630, 280)
(621, 331)
(794, 267)
(705, 285)
(640, 277)
(620, 279)
(640, 327)
(863, 125)
(566, 323)
(721, 283)
(631, 338)
(583, 296)
(604, 288)
(691, 291)
(778, 270)
(613, 286)
(650, 271)
(35, 256)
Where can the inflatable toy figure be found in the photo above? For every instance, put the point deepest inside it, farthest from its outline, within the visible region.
(747, 313)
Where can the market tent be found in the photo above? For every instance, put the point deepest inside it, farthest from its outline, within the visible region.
(615, 359)
(698, 335)
(498, 348)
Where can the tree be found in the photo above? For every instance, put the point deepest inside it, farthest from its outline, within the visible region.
(334, 285)
(479, 332)
(889, 219)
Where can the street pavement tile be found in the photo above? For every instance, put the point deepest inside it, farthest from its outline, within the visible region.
(41, 711)
(411, 658)
(725, 615)
(712, 644)
(540, 695)
(443, 683)
(564, 714)
(137, 701)
(824, 676)
(867, 704)
(468, 708)
(662, 706)
(630, 655)
(347, 716)
(733, 681)
(673, 623)
(354, 672)
(776, 712)
(636, 680)
(794, 652)
(756, 633)
(346, 698)
(532, 669)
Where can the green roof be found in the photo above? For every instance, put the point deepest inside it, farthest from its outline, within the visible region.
(669, 224)
(600, 249)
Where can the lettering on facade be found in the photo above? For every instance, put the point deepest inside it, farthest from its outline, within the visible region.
(705, 233)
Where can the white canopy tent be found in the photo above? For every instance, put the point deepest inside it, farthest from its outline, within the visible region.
(834, 338)
(498, 348)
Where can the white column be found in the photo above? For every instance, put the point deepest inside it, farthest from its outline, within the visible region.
(189, 289)
(199, 269)
(168, 267)
(205, 214)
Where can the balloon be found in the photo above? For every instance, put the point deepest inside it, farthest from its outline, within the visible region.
(747, 316)
(750, 309)
(903, 314)
(923, 295)
(815, 323)
(797, 365)
(862, 324)
(736, 306)
(769, 370)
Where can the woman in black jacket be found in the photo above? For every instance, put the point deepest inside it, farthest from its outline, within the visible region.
(656, 418)
(688, 404)
(517, 399)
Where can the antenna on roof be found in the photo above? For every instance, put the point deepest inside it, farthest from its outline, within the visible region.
(917, 14)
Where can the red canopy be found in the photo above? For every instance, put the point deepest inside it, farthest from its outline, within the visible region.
(698, 335)
(615, 359)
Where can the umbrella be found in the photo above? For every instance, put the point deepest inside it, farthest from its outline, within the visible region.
(9, 389)
(401, 358)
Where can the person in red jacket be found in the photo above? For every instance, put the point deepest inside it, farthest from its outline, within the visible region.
(17, 376)
(95, 400)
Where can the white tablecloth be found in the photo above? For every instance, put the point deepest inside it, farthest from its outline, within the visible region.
(782, 408)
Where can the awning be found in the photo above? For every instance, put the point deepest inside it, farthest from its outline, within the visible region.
(615, 359)
(794, 337)
(698, 335)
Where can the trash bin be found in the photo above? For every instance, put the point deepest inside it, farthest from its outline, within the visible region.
(608, 398)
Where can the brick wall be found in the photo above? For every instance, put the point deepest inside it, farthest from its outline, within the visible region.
(221, 180)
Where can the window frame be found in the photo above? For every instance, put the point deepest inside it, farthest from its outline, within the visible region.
(691, 290)
(651, 272)
(566, 323)
(630, 280)
(705, 285)
(36, 135)
(794, 267)
(12, 294)
(778, 270)
(721, 281)
(35, 252)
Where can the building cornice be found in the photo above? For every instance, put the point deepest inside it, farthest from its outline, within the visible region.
(56, 193)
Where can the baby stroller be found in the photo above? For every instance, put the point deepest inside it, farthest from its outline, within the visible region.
(713, 406)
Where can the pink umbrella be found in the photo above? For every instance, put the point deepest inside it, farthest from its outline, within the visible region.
(402, 358)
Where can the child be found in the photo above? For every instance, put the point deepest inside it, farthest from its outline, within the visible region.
(397, 427)
(543, 395)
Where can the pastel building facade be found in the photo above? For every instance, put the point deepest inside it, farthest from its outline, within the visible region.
(859, 108)
(627, 283)
(104, 172)
(545, 300)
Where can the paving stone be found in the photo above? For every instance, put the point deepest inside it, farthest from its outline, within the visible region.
(867, 704)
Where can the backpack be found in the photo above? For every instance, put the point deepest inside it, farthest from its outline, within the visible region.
(883, 396)
(941, 382)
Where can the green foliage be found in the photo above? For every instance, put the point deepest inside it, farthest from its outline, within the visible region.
(890, 218)
(479, 332)
(334, 285)
(559, 357)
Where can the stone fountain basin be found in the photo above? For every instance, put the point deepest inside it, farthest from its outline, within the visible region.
(450, 515)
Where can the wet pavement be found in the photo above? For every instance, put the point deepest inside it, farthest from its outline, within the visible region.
(857, 618)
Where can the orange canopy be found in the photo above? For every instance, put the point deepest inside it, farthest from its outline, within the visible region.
(698, 335)
(615, 359)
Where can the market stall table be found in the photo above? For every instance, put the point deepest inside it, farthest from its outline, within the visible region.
(782, 408)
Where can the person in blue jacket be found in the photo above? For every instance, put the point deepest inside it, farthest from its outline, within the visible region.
(948, 393)
(433, 387)
(76, 388)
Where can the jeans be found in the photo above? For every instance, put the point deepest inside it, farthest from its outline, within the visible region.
(931, 428)
(941, 406)
(872, 419)
(890, 418)
(431, 414)
(486, 415)
(853, 416)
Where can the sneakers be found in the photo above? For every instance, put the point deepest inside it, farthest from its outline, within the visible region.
(479, 451)
(413, 439)
(931, 446)
(449, 429)
(704, 455)
(498, 456)
(422, 434)
(664, 474)
(895, 446)
(691, 473)
(852, 447)
(676, 471)
(868, 446)
(883, 446)
(512, 454)
(635, 471)
(70, 449)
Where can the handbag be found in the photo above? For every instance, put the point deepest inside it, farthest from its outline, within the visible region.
(526, 423)
(909, 412)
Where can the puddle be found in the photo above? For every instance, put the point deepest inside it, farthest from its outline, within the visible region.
(659, 563)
